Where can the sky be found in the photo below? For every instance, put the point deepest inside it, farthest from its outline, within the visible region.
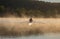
(51, 0)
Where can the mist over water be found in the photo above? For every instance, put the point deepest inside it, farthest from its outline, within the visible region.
(41, 28)
(14, 20)
(20, 26)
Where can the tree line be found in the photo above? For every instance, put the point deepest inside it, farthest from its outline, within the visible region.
(29, 8)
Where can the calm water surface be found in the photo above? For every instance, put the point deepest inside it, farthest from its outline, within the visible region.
(45, 36)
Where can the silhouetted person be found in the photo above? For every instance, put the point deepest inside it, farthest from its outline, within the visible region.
(30, 20)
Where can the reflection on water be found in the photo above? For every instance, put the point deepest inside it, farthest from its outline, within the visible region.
(45, 36)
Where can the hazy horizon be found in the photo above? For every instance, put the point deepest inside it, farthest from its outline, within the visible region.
(55, 1)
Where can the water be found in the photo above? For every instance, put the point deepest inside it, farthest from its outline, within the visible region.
(45, 36)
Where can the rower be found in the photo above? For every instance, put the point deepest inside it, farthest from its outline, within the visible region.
(30, 20)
